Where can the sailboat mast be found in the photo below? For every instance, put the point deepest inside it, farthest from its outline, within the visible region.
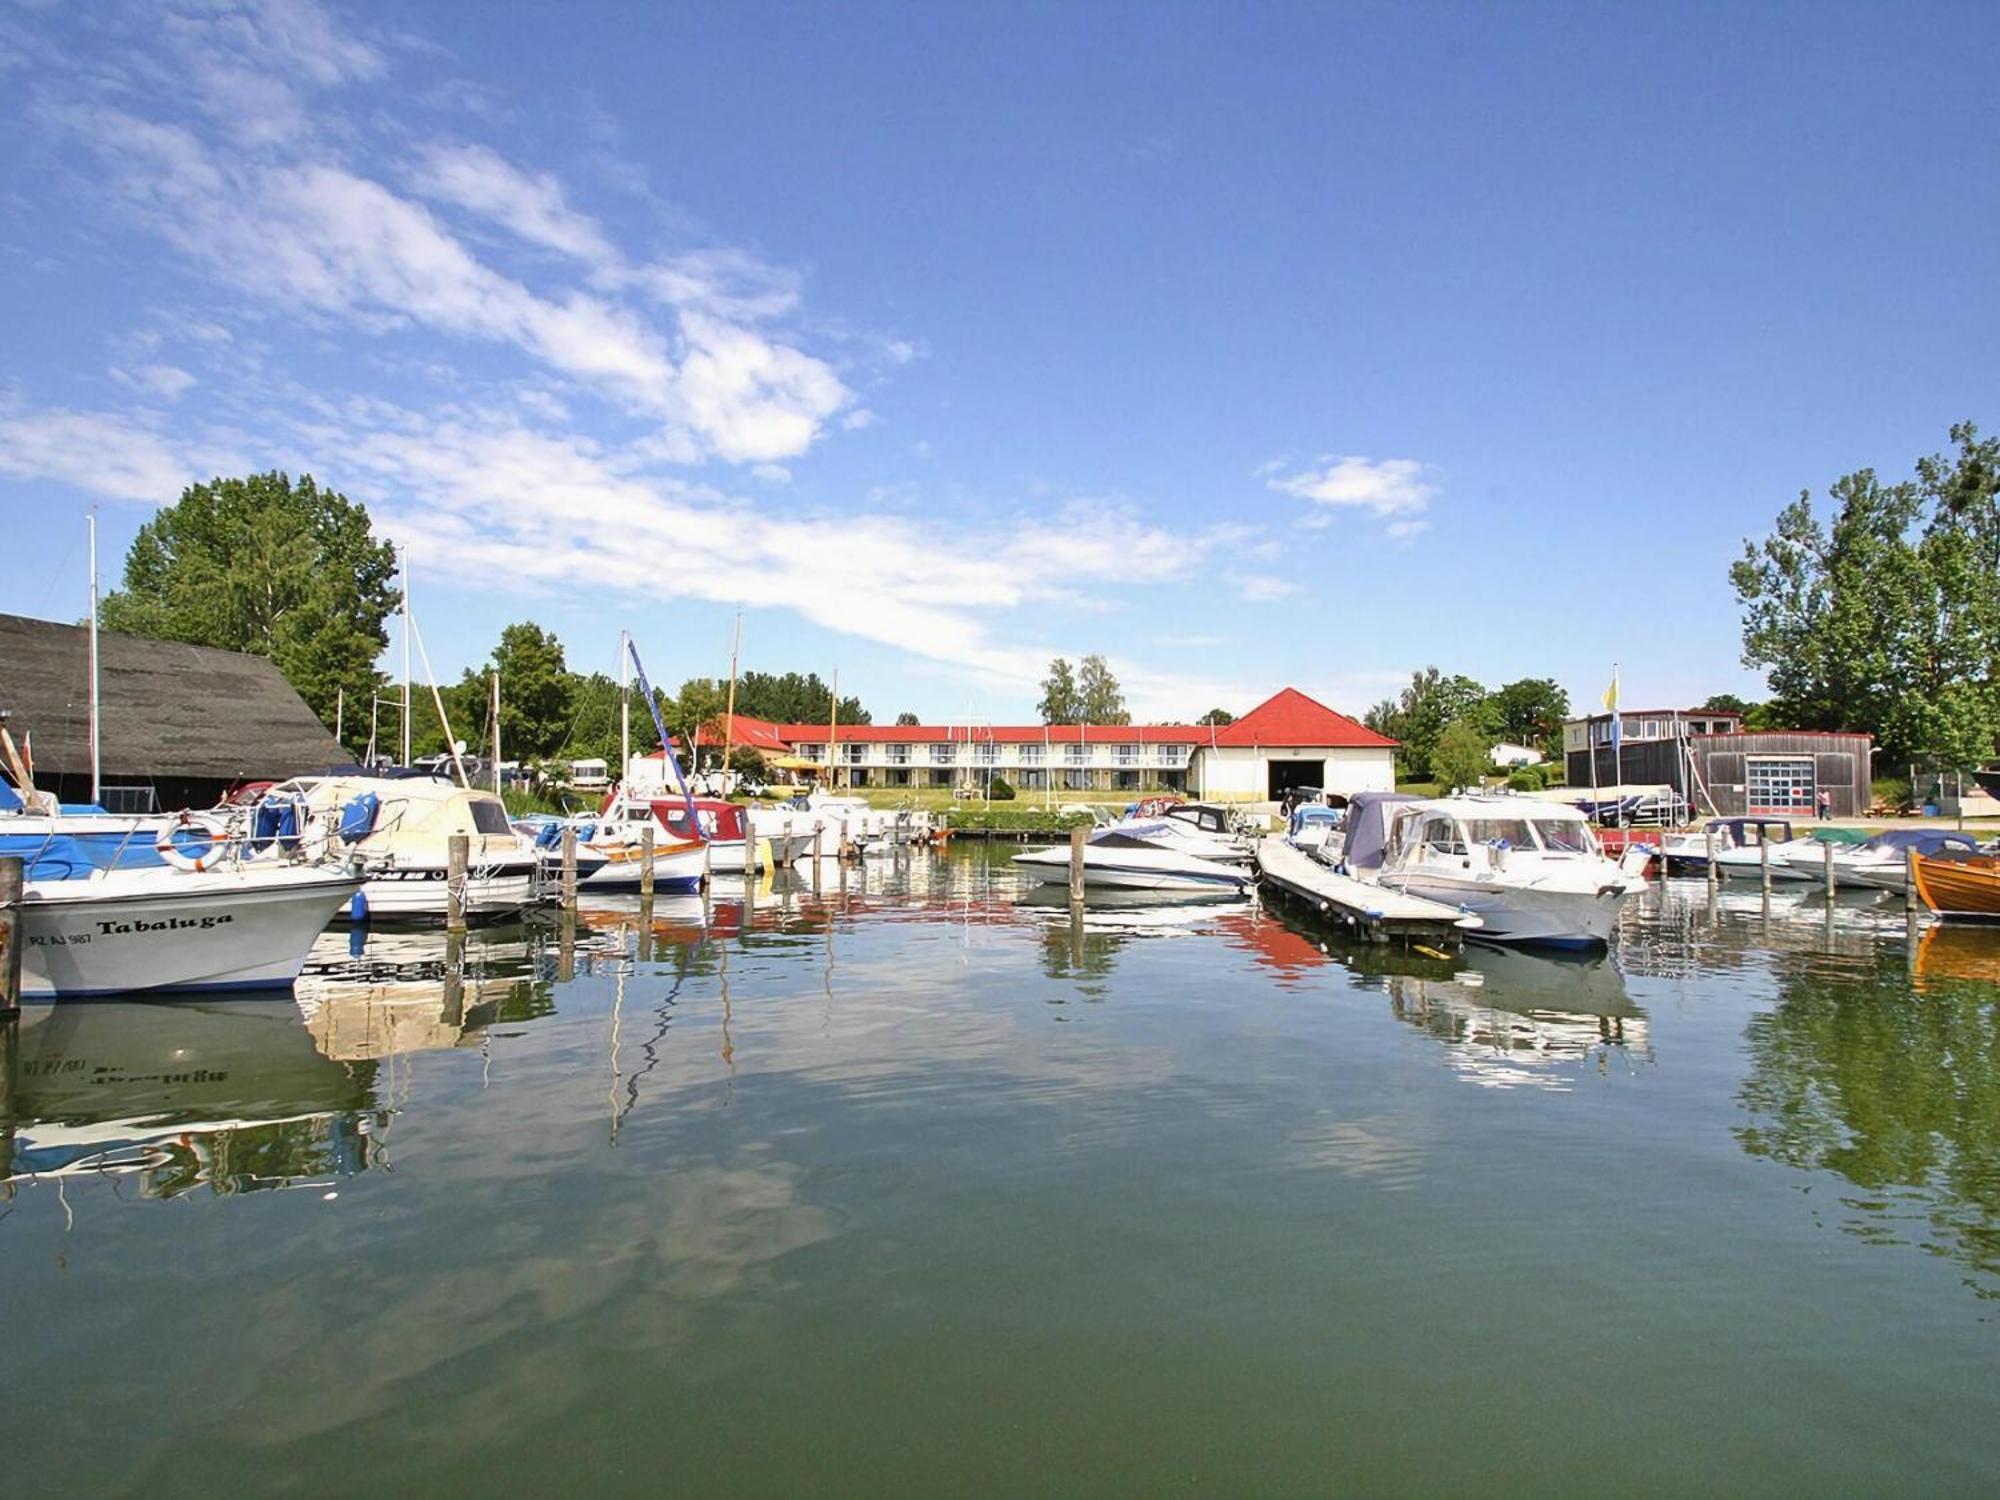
(496, 733)
(729, 714)
(406, 655)
(95, 727)
(624, 707)
(833, 731)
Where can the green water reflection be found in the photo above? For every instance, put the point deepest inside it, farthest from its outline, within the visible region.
(907, 1181)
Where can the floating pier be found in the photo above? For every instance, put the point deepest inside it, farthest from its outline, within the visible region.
(1372, 912)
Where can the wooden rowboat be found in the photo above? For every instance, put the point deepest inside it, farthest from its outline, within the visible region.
(1959, 888)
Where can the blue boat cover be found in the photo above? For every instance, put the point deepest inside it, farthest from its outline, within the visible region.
(1368, 827)
(275, 820)
(357, 819)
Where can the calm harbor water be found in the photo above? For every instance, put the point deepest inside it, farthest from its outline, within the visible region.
(913, 1186)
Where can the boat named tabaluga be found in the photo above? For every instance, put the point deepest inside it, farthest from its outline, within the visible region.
(399, 828)
(240, 925)
(1124, 858)
(1531, 870)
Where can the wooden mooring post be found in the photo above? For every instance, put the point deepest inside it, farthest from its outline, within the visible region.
(1764, 860)
(645, 863)
(1076, 864)
(1910, 885)
(1827, 856)
(457, 859)
(13, 873)
(1714, 873)
(453, 1012)
(569, 867)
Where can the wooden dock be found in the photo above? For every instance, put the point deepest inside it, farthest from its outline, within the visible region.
(1372, 912)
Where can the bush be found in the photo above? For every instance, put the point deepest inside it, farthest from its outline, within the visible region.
(1525, 779)
(1892, 791)
(1001, 790)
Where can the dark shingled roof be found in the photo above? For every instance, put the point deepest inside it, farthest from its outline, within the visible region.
(170, 711)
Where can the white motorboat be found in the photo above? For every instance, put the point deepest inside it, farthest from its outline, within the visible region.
(400, 829)
(1115, 861)
(787, 831)
(1314, 828)
(1530, 869)
(1196, 828)
(240, 926)
(680, 853)
(1794, 860)
(1883, 863)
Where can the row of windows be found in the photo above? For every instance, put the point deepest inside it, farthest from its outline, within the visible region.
(856, 752)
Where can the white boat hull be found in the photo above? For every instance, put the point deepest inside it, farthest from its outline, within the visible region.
(419, 892)
(729, 856)
(1524, 914)
(682, 869)
(1136, 870)
(131, 931)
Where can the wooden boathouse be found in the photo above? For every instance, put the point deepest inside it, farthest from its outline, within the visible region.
(181, 724)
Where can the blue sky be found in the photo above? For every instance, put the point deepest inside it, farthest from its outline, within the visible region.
(1248, 345)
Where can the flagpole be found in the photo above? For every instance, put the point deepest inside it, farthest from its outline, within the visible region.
(96, 729)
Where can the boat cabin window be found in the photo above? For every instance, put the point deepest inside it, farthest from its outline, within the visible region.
(1562, 836)
(1513, 833)
(1441, 836)
(490, 817)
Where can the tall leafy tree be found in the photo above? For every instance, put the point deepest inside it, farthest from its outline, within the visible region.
(537, 691)
(1530, 711)
(1217, 717)
(1885, 618)
(1099, 698)
(907, 720)
(1061, 703)
(1427, 705)
(793, 698)
(275, 567)
(1462, 756)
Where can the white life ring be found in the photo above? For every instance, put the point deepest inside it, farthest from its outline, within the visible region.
(172, 854)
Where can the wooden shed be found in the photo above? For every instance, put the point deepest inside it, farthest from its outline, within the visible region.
(180, 723)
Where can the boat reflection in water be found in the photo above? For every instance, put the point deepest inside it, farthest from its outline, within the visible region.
(370, 994)
(228, 1094)
(1948, 955)
(1082, 939)
(1511, 1019)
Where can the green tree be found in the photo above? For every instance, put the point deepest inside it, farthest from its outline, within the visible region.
(907, 720)
(1216, 717)
(1430, 703)
(1099, 698)
(276, 568)
(793, 698)
(537, 691)
(1727, 703)
(1060, 703)
(1530, 712)
(699, 708)
(1462, 755)
(1886, 618)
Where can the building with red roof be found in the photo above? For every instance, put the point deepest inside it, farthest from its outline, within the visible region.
(1289, 740)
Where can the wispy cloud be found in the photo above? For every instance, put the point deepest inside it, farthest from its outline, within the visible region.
(1262, 588)
(112, 457)
(1382, 487)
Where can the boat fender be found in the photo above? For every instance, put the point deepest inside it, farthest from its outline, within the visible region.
(180, 859)
(357, 908)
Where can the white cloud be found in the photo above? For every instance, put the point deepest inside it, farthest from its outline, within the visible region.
(168, 382)
(1262, 588)
(1405, 531)
(1385, 487)
(531, 205)
(99, 454)
(772, 473)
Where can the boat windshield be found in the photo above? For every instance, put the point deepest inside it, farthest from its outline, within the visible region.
(1564, 836)
(1504, 833)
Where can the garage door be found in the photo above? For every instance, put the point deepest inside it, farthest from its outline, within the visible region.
(1780, 784)
(1286, 774)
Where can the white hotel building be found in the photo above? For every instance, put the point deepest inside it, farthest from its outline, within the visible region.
(1287, 741)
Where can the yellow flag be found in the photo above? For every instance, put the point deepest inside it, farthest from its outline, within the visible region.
(1611, 693)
